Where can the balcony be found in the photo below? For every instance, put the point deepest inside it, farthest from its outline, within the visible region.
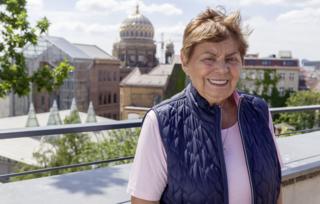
(300, 181)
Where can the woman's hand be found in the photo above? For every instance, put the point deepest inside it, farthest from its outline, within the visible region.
(135, 200)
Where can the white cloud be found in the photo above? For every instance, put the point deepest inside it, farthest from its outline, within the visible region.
(175, 29)
(270, 36)
(110, 6)
(81, 27)
(265, 2)
(35, 4)
(166, 9)
(299, 3)
(98, 5)
(302, 16)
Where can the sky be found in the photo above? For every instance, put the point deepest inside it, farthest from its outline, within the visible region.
(276, 24)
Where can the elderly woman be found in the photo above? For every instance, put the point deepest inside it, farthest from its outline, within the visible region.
(208, 144)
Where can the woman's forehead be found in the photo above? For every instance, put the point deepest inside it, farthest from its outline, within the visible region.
(225, 47)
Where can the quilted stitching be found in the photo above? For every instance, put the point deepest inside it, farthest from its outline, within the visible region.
(191, 137)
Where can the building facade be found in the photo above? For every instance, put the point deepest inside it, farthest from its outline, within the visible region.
(139, 92)
(95, 77)
(284, 67)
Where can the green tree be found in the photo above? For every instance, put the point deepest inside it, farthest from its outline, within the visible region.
(73, 148)
(267, 88)
(305, 119)
(15, 34)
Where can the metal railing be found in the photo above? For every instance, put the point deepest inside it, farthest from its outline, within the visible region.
(76, 128)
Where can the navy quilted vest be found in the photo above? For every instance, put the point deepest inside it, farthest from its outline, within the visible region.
(191, 134)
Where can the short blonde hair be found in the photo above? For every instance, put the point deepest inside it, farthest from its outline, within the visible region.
(215, 26)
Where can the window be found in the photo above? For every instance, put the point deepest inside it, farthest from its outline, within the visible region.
(243, 75)
(104, 76)
(266, 62)
(282, 76)
(109, 98)
(105, 99)
(132, 58)
(261, 75)
(115, 98)
(114, 76)
(43, 100)
(141, 58)
(271, 76)
(291, 76)
(99, 75)
(281, 90)
(100, 99)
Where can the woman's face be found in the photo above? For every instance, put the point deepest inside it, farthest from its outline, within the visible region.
(214, 69)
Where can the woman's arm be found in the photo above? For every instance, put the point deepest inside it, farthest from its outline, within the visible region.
(148, 176)
(280, 200)
(135, 200)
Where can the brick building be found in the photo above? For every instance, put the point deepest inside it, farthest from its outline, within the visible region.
(95, 78)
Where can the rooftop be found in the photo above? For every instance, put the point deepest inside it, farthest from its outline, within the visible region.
(157, 77)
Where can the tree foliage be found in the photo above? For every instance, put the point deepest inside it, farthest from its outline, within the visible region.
(305, 119)
(267, 88)
(74, 148)
(15, 34)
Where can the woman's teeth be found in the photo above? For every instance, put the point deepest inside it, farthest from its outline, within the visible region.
(218, 82)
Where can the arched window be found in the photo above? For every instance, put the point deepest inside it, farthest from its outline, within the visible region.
(105, 99)
(100, 99)
(115, 98)
(109, 98)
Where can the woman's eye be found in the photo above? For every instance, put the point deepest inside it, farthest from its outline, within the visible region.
(208, 60)
(232, 60)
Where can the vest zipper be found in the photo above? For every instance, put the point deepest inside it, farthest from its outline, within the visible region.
(224, 170)
(245, 153)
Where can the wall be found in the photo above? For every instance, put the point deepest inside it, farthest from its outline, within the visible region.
(139, 97)
(304, 187)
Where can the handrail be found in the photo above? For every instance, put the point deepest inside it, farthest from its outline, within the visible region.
(38, 171)
(91, 127)
(294, 109)
(70, 128)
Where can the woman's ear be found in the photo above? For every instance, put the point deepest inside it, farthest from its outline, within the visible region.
(184, 64)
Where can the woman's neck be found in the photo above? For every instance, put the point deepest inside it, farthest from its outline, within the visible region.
(229, 112)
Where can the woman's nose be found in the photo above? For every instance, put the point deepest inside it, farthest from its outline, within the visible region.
(221, 66)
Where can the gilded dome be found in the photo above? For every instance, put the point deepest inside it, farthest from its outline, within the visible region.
(137, 26)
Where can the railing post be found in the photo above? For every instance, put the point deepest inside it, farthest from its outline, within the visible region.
(316, 118)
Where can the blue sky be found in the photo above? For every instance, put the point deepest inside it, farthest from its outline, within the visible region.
(277, 24)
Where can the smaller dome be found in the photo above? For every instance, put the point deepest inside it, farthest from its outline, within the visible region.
(170, 45)
(137, 26)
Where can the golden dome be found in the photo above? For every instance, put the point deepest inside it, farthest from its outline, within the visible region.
(137, 26)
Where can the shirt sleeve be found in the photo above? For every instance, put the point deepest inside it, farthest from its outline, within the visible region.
(275, 140)
(148, 176)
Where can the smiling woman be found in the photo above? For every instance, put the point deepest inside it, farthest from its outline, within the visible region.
(214, 69)
(208, 144)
